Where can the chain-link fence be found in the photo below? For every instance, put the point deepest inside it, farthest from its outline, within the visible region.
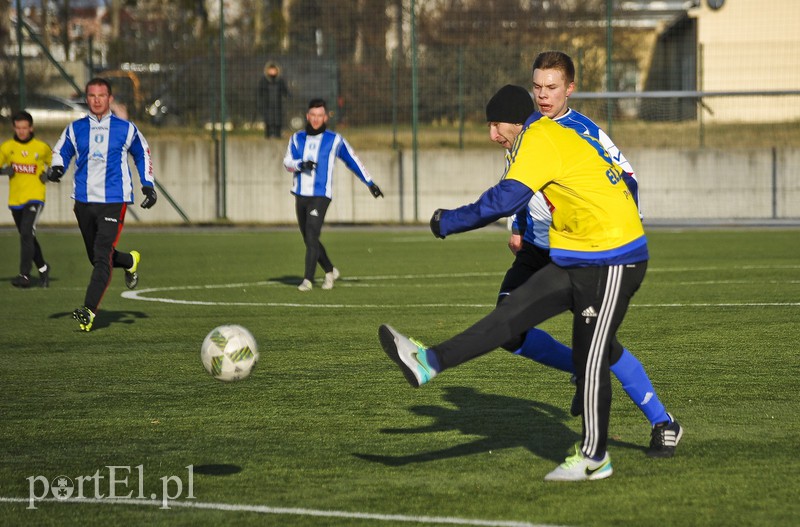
(378, 63)
(405, 74)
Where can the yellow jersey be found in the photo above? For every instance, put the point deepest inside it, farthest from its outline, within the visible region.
(595, 216)
(28, 160)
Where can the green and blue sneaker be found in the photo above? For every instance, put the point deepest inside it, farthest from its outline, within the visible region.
(578, 467)
(413, 357)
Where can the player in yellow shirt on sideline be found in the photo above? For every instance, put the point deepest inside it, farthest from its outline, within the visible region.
(26, 160)
(598, 252)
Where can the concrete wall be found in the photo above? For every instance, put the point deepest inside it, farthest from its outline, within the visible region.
(718, 184)
(675, 184)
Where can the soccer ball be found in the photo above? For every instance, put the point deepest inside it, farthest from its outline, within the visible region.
(229, 353)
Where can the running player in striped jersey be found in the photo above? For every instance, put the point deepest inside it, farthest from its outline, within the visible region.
(102, 188)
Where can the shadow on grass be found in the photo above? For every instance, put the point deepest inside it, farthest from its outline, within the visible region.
(106, 318)
(217, 470)
(35, 283)
(500, 421)
(294, 280)
(287, 279)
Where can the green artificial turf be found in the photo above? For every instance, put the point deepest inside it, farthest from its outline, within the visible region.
(326, 431)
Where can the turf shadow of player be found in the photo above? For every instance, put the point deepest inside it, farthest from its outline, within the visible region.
(499, 421)
(108, 317)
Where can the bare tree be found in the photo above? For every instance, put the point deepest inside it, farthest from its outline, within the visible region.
(64, 14)
(5, 25)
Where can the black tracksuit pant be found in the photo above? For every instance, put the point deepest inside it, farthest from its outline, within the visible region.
(598, 298)
(310, 212)
(101, 225)
(25, 219)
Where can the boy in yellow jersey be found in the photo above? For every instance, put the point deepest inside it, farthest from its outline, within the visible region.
(25, 160)
(599, 256)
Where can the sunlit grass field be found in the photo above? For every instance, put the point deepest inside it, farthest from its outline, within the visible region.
(326, 431)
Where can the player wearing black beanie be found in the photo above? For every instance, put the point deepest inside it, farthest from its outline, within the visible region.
(511, 104)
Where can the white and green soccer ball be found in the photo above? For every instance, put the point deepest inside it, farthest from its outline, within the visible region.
(229, 353)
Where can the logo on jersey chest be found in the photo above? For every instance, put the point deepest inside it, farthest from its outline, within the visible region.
(98, 138)
(312, 146)
(21, 168)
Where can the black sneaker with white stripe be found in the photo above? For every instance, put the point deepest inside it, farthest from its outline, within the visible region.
(21, 281)
(664, 438)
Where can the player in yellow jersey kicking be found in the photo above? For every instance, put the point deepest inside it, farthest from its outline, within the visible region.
(598, 252)
(25, 160)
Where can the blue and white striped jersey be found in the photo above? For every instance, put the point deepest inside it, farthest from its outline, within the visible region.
(323, 149)
(101, 149)
(585, 126)
(539, 216)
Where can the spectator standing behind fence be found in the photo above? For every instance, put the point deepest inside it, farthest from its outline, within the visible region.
(272, 90)
(25, 160)
(310, 157)
(102, 189)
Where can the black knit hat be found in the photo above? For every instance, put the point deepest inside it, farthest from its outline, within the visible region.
(511, 104)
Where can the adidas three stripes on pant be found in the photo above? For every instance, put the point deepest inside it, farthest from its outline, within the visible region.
(598, 298)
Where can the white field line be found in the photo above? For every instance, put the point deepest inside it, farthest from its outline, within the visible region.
(264, 509)
(145, 294)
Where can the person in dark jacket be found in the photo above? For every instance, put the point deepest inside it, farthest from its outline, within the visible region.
(272, 89)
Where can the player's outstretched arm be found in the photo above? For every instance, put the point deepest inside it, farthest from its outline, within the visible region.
(500, 201)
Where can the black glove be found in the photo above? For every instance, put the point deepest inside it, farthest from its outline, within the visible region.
(7, 170)
(376, 191)
(55, 174)
(435, 219)
(150, 197)
(307, 165)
